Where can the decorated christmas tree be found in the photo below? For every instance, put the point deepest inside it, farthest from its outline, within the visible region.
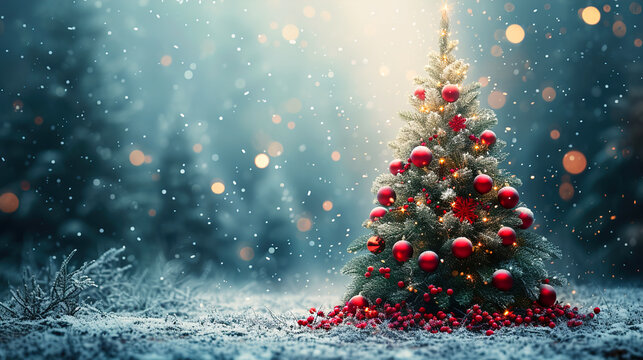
(449, 230)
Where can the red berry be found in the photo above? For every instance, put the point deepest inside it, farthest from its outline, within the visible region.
(369, 269)
(378, 301)
(387, 275)
(449, 292)
(597, 310)
(489, 332)
(368, 274)
(400, 284)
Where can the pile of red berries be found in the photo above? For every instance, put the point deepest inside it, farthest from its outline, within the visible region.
(401, 317)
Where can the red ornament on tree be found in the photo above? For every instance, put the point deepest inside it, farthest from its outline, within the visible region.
(395, 166)
(483, 183)
(428, 261)
(402, 251)
(421, 156)
(377, 213)
(547, 295)
(357, 302)
(462, 247)
(527, 217)
(508, 197)
(375, 244)
(508, 235)
(464, 209)
(488, 137)
(420, 93)
(450, 93)
(457, 123)
(386, 196)
(502, 280)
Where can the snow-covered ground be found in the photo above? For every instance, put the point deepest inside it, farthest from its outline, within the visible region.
(230, 326)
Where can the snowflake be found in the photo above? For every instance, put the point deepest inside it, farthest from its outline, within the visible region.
(464, 208)
(457, 123)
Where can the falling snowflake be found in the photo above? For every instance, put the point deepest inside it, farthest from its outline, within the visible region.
(464, 208)
(457, 123)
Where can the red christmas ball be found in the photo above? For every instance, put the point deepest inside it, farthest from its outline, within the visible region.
(395, 166)
(420, 93)
(450, 93)
(508, 197)
(547, 295)
(483, 183)
(402, 250)
(421, 156)
(375, 244)
(428, 261)
(527, 217)
(357, 302)
(462, 247)
(502, 280)
(508, 235)
(488, 137)
(386, 196)
(377, 213)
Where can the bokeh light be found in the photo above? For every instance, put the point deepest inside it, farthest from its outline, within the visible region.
(549, 94)
(197, 148)
(384, 71)
(290, 32)
(293, 105)
(574, 162)
(38, 120)
(9, 202)
(275, 149)
(247, 253)
(166, 60)
(515, 33)
(262, 160)
(335, 156)
(566, 191)
(496, 51)
(554, 134)
(484, 81)
(309, 11)
(327, 205)
(619, 29)
(591, 15)
(217, 187)
(276, 119)
(497, 99)
(304, 224)
(136, 157)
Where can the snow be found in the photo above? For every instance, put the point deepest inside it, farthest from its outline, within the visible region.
(227, 326)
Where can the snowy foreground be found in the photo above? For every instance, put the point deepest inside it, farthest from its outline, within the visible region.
(264, 327)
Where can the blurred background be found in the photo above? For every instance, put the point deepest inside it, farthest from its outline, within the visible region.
(239, 140)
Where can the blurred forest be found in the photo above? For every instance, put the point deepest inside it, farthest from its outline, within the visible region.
(242, 138)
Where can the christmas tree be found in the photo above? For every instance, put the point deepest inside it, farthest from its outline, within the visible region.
(449, 230)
